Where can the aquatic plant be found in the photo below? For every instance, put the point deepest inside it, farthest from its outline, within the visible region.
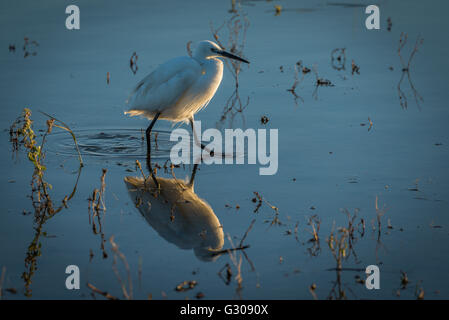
(22, 134)
(237, 26)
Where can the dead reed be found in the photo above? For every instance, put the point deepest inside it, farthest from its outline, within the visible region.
(406, 71)
(22, 134)
(237, 26)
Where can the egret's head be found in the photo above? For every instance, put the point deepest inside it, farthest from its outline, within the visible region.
(208, 50)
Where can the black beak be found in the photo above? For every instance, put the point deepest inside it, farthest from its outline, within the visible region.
(230, 56)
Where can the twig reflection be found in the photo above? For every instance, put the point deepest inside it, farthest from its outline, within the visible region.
(22, 134)
(237, 27)
(406, 71)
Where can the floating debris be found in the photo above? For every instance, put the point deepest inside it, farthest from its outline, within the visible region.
(338, 58)
(189, 48)
(370, 122)
(257, 199)
(278, 10)
(312, 289)
(389, 24)
(404, 279)
(186, 285)
(320, 82)
(358, 279)
(228, 278)
(264, 120)
(415, 188)
(355, 68)
(133, 63)
(11, 290)
(324, 82)
(419, 291)
(434, 226)
(29, 47)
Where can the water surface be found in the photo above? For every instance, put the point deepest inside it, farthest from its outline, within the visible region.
(330, 157)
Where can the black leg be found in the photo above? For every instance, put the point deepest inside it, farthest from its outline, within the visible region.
(194, 138)
(148, 135)
(192, 178)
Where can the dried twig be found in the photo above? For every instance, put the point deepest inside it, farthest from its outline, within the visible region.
(320, 82)
(189, 49)
(21, 133)
(304, 71)
(95, 208)
(133, 63)
(246, 233)
(127, 292)
(237, 27)
(66, 128)
(406, 71)
(103, 293)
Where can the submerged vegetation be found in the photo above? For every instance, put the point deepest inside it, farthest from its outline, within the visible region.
(236, 29)
(22, 134)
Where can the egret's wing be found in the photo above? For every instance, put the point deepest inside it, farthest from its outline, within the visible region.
(164, 86)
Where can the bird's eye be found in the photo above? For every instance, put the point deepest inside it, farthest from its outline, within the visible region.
(213, 49)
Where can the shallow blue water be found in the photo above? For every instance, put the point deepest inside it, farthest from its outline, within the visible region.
(328, 159)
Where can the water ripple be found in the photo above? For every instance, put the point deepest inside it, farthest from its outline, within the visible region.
(111, 143)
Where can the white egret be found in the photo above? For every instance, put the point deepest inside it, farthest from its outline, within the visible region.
(178, 215)
(180, 87)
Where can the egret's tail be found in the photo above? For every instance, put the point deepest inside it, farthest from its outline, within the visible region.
(143, 113)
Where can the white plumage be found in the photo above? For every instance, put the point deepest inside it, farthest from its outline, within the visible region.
(178, 215)
(180, 87)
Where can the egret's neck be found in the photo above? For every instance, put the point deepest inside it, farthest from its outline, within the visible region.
(203, 60)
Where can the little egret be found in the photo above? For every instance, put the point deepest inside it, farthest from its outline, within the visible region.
(178, 215)
(180, 87)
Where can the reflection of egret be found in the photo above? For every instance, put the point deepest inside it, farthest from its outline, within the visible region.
(179, 88)
(178, 215)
